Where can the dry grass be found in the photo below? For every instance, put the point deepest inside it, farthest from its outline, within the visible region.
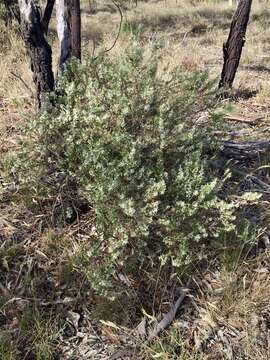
(13, 60)
(239, 301)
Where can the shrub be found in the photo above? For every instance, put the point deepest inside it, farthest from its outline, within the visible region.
(130, 141)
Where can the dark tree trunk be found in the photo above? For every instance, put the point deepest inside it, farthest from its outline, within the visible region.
(75, 25)
(232, 49)
(47, 15)
(38, 49)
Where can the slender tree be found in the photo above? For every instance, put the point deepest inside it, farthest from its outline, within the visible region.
(75, 22)
(232, 49)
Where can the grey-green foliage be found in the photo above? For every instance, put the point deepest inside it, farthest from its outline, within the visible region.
(128, 138)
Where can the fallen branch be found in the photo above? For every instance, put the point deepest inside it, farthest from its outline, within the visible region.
(168, 318)
(239, 173)
(251, 121)
(260, 105)
(162, 325)
(244, 150)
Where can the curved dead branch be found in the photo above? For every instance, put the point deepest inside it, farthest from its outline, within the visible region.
(119, 29)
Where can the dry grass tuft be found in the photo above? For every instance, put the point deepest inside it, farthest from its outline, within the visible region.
(14, 70)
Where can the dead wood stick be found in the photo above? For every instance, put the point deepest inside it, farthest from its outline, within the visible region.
(251, 121)
(244, 150)
(168, 318)
(248, 145)
(219, 165)
(261, 105)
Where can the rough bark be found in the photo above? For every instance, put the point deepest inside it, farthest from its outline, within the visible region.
(47, 15)
(37, 47)
(232, 49)
(75, 22)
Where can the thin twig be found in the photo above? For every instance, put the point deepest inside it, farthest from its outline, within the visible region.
(241, 119)
(24, 83)
(185, 35)
(94, 48)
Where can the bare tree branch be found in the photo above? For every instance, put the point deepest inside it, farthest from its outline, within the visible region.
(47, 15)
(119, 29)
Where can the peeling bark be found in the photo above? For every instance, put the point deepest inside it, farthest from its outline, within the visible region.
(37, 48)
(68, 16)
(232, 49)
(63, 31)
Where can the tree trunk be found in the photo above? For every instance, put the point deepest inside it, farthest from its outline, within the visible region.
(68, 16)
(63, 31)
(75, 22)
(232, 49)
(37, 47)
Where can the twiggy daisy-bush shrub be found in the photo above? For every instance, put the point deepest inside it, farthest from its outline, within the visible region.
(130, 141)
